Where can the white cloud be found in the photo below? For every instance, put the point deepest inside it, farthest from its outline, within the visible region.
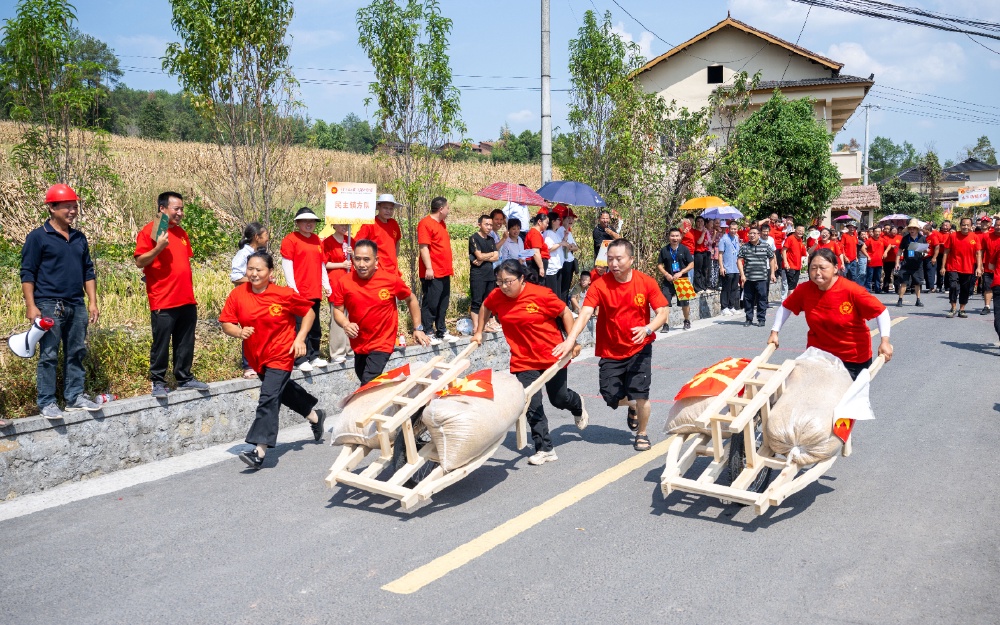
(781, 17)
(913, 63)
(524, 115)
(645, 39)
(145, 45)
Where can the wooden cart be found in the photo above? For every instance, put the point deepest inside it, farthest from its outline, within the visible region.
(430, 377)
(731, 431)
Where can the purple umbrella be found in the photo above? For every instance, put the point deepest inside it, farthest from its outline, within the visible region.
(844, 218)
(894, 218)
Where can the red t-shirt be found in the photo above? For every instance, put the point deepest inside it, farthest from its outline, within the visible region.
(991, 252)
(371, 304)
(594, 275)
(796, 250)
(892, 247)
(623, 307)
(434, 234)
(850, 245)
(385, 235)
(933, 240)
(743, 234)
(696, 236)
(875, 248)
(529, 322)
(333, 252)
(306, 254)
(837, 317)
(688, 240)
(168, 277)
(962, 250)
(535, 241)
(779, 237)
(834, 247)
(272, 315)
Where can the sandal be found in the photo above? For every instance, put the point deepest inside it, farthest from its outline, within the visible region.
(641, 443)
(633, 419)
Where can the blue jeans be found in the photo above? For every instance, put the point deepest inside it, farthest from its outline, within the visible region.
(852, 271)
(875, 285)
(71, 329)
(863, 275)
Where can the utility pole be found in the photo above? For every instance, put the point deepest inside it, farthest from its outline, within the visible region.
(865, 166)
(546, 97)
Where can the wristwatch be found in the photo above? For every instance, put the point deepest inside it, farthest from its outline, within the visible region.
(419, 328)
(648, 330)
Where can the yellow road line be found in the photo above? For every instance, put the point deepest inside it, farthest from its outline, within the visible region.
(894, 322)
(438, 568)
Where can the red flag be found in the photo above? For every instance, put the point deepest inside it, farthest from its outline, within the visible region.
(400, 373)
(713, 380)
(478, 384)
(842, 429)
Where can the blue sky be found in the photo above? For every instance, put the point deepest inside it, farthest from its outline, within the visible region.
(496, 44)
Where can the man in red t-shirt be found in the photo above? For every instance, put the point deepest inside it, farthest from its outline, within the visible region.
(875, 247)
(991, 253)
(166, 263)
(385, 232)
(625, 335)
(368, 295)
(435, 269)
(962, 263)
(792, 252)
(849, 243)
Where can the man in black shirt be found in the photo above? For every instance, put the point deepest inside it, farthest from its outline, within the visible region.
(910, 263)
(56, 269)
(482, 254)
(674, 262)
(603, 231)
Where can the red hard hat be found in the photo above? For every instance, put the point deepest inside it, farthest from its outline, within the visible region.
(60, 193)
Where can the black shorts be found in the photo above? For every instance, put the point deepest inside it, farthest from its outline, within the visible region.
(369, 366)
(480, 289)
(910, 276)
(670, 292)
(989, 281)
(628, 378)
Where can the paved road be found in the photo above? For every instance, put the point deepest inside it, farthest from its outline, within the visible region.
(903, 531)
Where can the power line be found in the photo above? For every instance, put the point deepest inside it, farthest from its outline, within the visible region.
(910, 15)
(930, 95)
(801, 30)
(936, 105)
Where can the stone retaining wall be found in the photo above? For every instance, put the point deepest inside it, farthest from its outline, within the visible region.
(36, 453)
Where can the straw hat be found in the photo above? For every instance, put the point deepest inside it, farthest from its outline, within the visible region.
(913, 224)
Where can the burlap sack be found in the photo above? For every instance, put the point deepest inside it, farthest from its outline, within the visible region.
(800, 425)
(344, 430)
(463, 427)
(684, 414)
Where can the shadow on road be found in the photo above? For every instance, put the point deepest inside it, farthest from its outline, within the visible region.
(711, 509)
(982, 348)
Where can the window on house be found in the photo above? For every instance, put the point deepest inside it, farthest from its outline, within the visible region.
(715, 74)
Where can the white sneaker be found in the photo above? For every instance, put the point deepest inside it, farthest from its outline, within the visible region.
(319, 362)
(305, 367)
(584, 418)
(542, 457)
(435, 341)
(339, 360)
(451, 338)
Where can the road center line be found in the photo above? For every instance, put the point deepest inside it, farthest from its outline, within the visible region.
(438, 568)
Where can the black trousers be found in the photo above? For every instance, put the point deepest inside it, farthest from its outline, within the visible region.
(702, 266)
(959, 286)
(173, 326)
(729, 295)
(313, 338)
(480, 289)
(755, 297)
(854, 368)
(434, 307)
(792, 278)
(996, 302)
(887, 271)
(554, 283)
(566, 275)
(369, 366)
(931, 274)
(561, 397)
(277, 389)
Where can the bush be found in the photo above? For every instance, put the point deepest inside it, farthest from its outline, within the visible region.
(208, 236)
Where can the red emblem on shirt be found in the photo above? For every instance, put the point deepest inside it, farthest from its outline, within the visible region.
(478, 384)
(846, 308)
(275, 310)
(531, 307)
(640, 299)
(384, 294)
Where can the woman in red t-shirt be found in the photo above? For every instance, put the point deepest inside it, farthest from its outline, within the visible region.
(263, 314)
(305, 272)
(837, 311)
(535, 240)
(337, 256)
(528, 313)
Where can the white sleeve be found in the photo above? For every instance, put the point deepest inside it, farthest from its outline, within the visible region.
(884, 323)
(286, 265)
(325, 275)
(238, 268)
(780, 318)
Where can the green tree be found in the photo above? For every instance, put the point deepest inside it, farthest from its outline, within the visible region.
(898, 199)
(52, 100)
(417, 106)
(153, 120)
(359, 137)
(779, 162)
(232, 62)
(930, 183)
(982, 151)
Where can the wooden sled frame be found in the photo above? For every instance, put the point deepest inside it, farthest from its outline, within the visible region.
(351, 455)
(763, 384)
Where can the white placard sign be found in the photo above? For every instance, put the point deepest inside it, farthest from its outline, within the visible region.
(350, 203)
(973, 196)
(854, 214)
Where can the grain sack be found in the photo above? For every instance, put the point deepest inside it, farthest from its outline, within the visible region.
(800, 425)
(344, 429)
(463, 427)
(683, 416)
